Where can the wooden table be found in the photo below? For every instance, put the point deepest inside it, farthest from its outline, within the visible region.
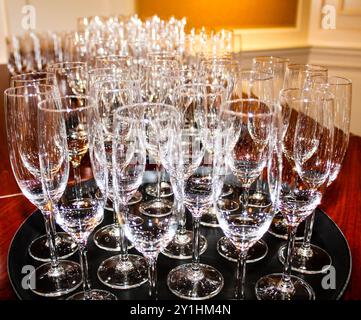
(341, 202)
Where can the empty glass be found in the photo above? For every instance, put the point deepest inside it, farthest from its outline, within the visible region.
(309, 258)
(57, 277)
(307, 154)
(249, 124)
(81, 207)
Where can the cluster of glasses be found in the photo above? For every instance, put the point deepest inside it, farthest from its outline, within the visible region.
(33, 51)
(114, 35)
(244, 150)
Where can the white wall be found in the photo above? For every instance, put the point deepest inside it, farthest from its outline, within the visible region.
(339, 48)
(57, 15)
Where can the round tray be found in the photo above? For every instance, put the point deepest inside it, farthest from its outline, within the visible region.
(326, 234)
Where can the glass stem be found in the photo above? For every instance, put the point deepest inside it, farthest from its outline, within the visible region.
(182, 219)
(159, 180)
(77, 179)
(84, 269)
(196, 238)
(306, 245)
(152, 276)
(241, 275)
(123, 239)
(245, 199)
(51, 237)
(286, 284)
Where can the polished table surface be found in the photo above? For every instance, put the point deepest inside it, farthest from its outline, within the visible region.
(341, 202)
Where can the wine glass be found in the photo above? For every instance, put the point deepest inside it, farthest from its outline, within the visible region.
(309, 258)
(122, 271)
(110, 94)
(219, 70)
(196, 281)
(296, 76)
(248, 152)
(158, 84)
(251, 84)
(57, 277)
(181, 247)
(159, 205)
(307, 155)
(275, 66)
(81, 207)
(39, 248)
(149, 233)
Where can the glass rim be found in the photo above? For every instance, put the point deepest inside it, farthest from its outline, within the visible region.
(306, 67)
(345, 81)
(18, 77)
(270, 113)
(134, 81)
(329, 95)
(264, 75)
(199, 84)
(104, 57)
(146, 105)
(93, 70)
(66, 110)
(67, 65)
(51, 88)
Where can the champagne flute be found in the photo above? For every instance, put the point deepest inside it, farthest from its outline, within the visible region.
(39, 248)
(257, 85)
(122, 271)
(72, 79)
(57, 277)
(307, 154)
(196, 281)
(250, 125)
(309, 258)
(296, 76)
(160, 69)
(111, 93)
(81, 207)
(149, 233)
(189, 136)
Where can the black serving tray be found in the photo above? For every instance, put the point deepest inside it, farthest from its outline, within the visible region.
(326, 234)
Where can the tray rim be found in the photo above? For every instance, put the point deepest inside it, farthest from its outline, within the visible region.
(339, 296)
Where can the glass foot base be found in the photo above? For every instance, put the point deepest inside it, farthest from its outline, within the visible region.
(156, 208)
(278, 228)
(268, 288)
(55, 283)
(227, 250)
(314, 261)
(107, 238)
(117, 274)
(188, 284)
(138, 197)
(181, 247)
(209, 219)
(165, 190)
(227, 190)
(94, 295)
(39, 248)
